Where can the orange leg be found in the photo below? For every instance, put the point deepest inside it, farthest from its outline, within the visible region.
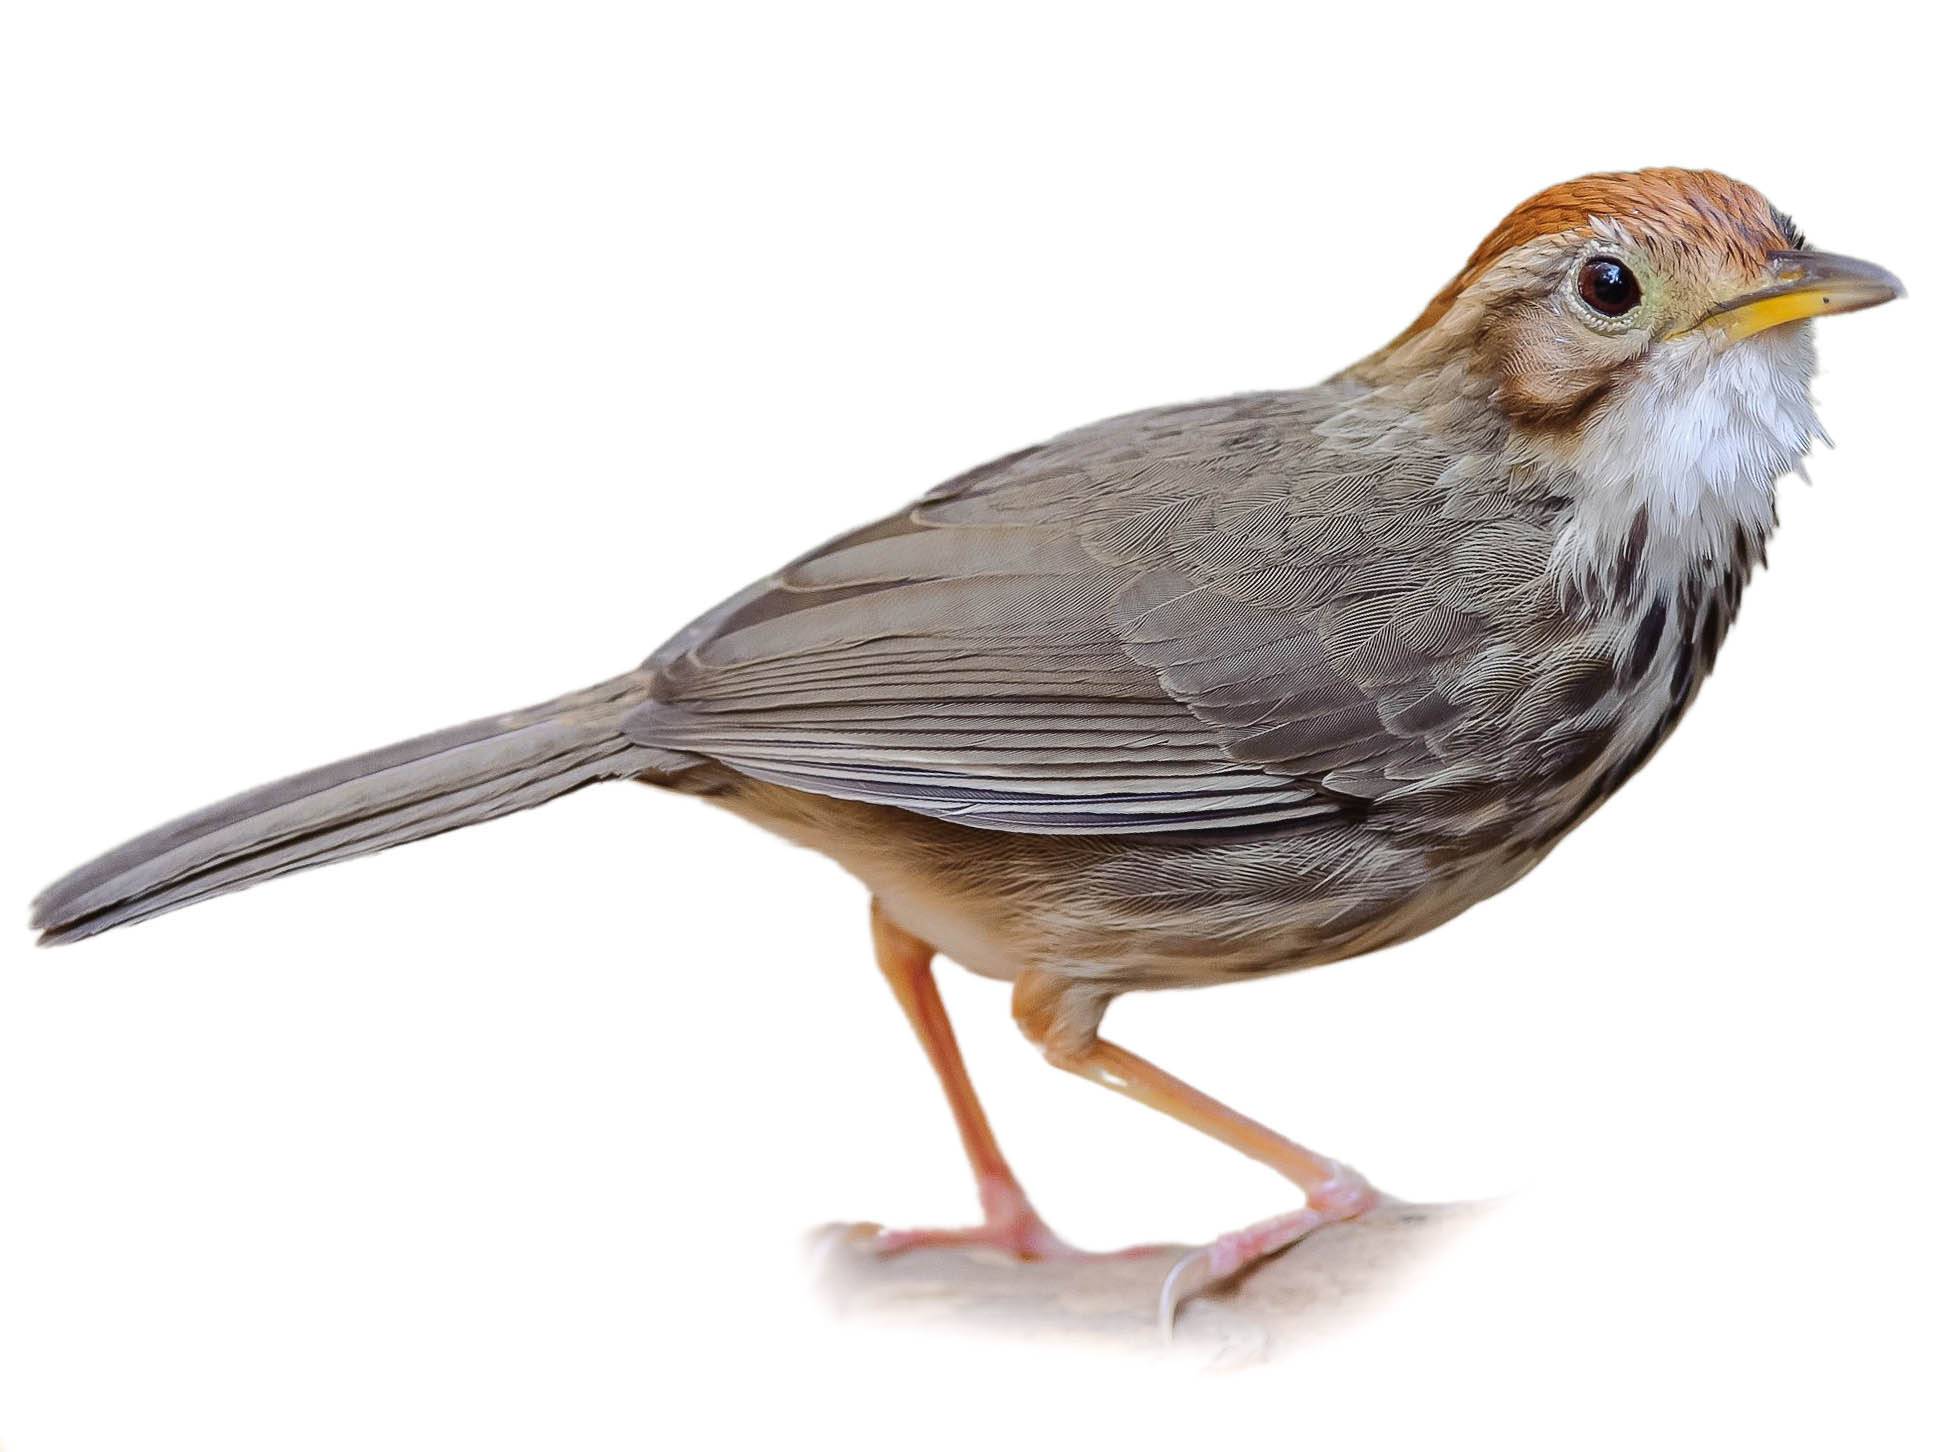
(1009, 1222)
(1061, 1016)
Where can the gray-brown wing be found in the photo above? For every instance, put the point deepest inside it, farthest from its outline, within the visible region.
(1205, 617)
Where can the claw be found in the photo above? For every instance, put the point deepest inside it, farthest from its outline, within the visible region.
(1240, 1249)
(1186, 1278)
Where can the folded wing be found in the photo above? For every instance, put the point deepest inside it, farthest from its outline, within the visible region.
(1191, 619)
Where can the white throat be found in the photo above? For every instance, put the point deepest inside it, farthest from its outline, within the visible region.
(1698, 440)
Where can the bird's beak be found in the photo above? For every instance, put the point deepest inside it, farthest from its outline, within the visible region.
(1806, 285)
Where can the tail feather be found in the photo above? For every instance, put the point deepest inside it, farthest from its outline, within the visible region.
(414, 789)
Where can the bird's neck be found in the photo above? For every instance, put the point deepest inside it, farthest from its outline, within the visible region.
(1671, 482)
(1667, 485)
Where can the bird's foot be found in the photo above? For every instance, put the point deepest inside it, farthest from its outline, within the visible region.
(1011, 1227)
(1346, 1196)
(1025, 1239)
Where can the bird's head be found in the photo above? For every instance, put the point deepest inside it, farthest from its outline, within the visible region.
(1647, 334)
(1584, 286)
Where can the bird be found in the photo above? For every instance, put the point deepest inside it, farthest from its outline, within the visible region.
(1202, 692)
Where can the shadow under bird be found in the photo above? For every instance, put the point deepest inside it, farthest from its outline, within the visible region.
(1207, 691)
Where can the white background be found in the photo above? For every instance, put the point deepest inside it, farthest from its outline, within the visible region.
(371, 367)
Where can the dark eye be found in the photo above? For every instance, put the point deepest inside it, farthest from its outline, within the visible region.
(1608, 286)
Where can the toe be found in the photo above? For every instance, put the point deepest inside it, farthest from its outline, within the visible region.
(1237, 1251)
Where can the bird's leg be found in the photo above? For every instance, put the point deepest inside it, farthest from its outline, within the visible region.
(1061, 1017)
(1009, 1221)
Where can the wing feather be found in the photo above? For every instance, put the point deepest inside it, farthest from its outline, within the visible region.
(1230, 614)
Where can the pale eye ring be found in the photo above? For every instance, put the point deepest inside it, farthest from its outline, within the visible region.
(1608, 286)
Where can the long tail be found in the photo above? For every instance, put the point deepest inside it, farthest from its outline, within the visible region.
(448, 779)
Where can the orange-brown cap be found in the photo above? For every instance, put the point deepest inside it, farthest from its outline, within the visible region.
(1661, 207)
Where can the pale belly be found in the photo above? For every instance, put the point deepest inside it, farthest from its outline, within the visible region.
(1128, 913)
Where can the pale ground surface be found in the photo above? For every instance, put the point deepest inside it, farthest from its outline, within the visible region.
(1322, 1284)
